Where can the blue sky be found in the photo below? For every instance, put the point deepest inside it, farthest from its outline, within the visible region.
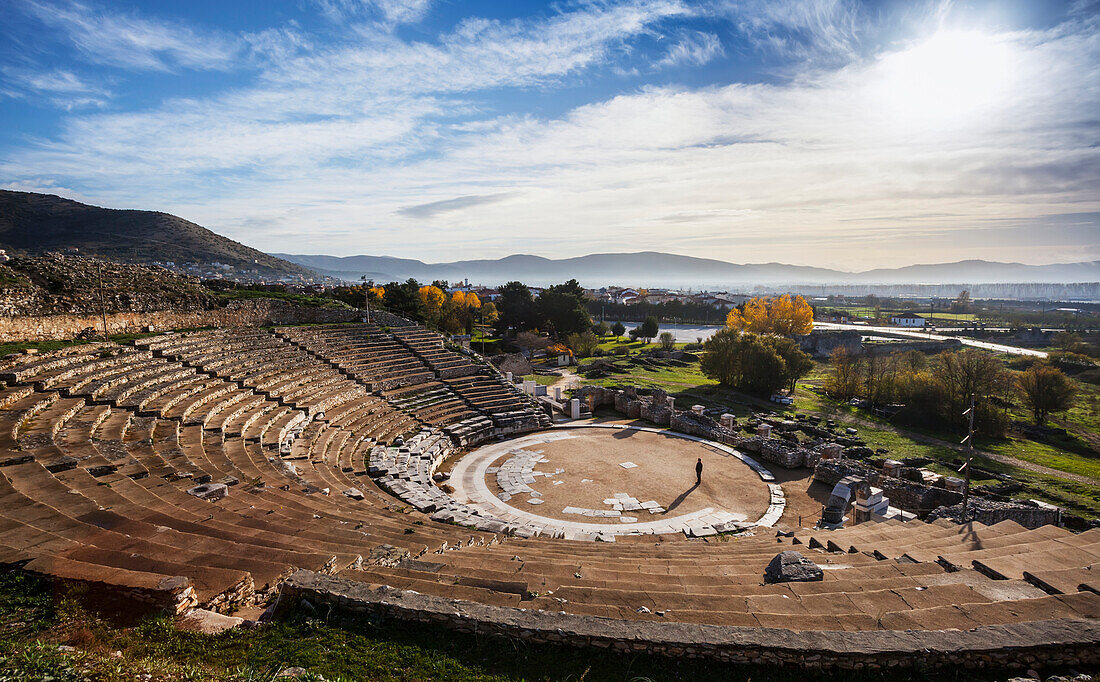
(825, 132)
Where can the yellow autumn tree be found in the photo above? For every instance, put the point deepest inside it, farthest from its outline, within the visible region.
(458, 299)
(376, 294)
(785, 315)
(432, 297)
(472, 301)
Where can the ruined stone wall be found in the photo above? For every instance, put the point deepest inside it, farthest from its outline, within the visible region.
(990, 512)
(908, 495)
(248, 313)
(918, 345)
(1064, 642)
(822, 343)
(655, 409)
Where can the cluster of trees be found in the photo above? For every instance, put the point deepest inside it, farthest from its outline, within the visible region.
(752, 362)
(560, 310)
(647, 330)
(938, 389)
(786, 315)
(679, 311)
(453, 313)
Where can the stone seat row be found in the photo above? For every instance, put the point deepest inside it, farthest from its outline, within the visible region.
(429, 348)
(24, 405)
(611, 589)
(372, 355)
(364, 351)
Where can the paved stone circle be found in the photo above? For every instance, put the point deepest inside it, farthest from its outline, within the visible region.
(520, 482)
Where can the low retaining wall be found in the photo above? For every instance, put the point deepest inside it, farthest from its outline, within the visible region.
(907, 495)
(990, 512)
(250, 313)
(654, 408)
(1064, 642)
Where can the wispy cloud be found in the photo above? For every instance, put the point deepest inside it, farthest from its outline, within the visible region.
(389, 11)
(61, 87)
(133, 42)
(798, 28)
(695, 48)
(435, 208)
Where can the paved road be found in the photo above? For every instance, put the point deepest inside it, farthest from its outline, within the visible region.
(926, 336)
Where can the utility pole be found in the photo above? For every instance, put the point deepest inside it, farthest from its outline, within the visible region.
(102, 305)
(366, 294)
(969, 442)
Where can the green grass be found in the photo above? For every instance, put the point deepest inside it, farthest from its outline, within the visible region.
(540, 379)
(886, 313)
(36, 620)
(1044, 454)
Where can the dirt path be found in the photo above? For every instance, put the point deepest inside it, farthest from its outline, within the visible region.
(567, 381)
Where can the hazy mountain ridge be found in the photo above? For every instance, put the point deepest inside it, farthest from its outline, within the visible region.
(33, 224)
(662, 269)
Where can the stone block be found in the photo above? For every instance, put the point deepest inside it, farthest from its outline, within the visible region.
(209, 491)
(792, 567)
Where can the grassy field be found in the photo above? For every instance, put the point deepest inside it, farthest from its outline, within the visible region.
(540, 379)
(885, 314)
(35, 621)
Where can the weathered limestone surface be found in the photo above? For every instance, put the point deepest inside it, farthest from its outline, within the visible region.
(1053, 642)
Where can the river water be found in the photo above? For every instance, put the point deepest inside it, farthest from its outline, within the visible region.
(685, 333)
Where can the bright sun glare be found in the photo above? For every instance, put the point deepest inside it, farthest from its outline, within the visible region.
(951, 79)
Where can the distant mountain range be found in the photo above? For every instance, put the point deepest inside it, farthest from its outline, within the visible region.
(669, 270)
(33, 223)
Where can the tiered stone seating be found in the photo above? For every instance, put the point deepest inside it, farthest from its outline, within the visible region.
(363, 351)
(662, 578)
(428, 346)
(432, 403)
(114, 479)
(263, 362)
(415, 372)
(510, 411)
(143, 465)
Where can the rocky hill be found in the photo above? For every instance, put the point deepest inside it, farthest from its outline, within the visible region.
(33, 224)
(54, 284)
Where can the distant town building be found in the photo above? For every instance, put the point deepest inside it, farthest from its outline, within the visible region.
(907, 320)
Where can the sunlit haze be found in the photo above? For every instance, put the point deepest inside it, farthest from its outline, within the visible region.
(840, 134)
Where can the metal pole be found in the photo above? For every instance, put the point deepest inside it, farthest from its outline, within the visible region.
(969, 440)
(102, 306)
